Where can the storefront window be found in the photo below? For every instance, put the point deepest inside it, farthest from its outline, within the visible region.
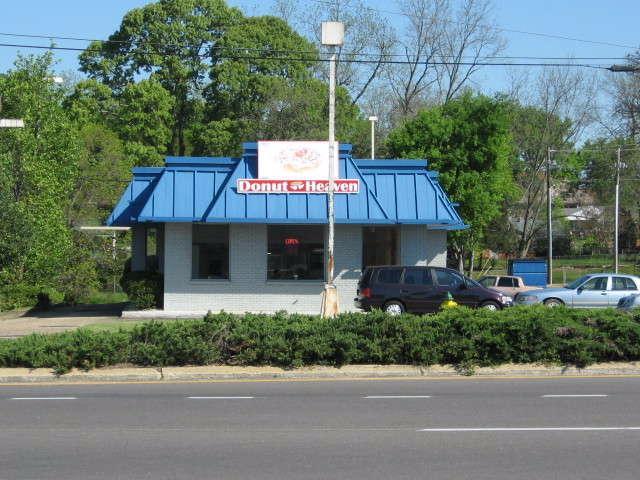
(295, 252)
(210, 252)
(151, 247)
(379, 246)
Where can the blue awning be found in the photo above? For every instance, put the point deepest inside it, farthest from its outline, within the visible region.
(203, 189)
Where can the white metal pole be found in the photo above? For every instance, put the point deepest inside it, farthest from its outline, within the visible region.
(617, 214)
(332, 114)
(373, 139)
(549, 218)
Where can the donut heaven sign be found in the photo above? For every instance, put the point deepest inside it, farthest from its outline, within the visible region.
(296, 167)
(251, 185)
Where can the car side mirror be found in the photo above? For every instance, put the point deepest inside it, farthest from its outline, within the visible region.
(580, 289)
(463, 286)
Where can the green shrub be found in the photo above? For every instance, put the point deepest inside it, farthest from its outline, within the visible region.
(461, 337)
(144, 289)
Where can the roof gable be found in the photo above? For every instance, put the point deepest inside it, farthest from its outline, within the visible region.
(201, 189)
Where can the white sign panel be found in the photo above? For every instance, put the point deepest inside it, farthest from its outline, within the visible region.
(11, 123)
(296, 160)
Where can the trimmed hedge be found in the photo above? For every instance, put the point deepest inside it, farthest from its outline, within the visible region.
(458, 336)
(144, 289)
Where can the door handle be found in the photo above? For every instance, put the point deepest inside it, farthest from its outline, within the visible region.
(404, 291)
(603, 293)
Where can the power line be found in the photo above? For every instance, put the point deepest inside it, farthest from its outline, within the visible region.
(317, 59)
(309, 52)
(493, 27)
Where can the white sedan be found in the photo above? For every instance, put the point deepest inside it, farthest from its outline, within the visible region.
(598, 290)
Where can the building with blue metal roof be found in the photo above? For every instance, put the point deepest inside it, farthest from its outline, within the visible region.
(220, 249)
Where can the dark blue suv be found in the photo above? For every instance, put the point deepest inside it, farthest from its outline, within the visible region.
(396, 289)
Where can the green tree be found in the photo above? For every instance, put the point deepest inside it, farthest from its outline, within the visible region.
(91, 102)
(104, 171)
(144, 121)
(38, 168)
(534, 131)
(599, 157)
(177, 40)
(468, 142)
(267, 95)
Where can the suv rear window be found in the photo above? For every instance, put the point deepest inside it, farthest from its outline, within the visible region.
(366, 276)
(389, 275)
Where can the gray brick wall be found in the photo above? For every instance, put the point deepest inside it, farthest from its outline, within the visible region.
(420, 246)
(248, 289)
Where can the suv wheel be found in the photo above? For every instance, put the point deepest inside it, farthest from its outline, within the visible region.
(393, 307)
(493, 306)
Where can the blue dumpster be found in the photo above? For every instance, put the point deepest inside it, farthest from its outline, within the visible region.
(532, 270)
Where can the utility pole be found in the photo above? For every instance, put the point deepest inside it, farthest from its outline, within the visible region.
(373, 119)
(549, 218)
(332, 36)
(616, 261)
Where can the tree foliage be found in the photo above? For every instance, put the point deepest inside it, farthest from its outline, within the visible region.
(38, 168)
(467, 141)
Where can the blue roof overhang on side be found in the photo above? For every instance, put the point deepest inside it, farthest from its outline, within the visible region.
(191, 189)
(135, 196)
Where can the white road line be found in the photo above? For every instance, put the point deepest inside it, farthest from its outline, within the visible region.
(44, 398)
(573, 396)
(397, 396)
(528, 429)
(219, 398)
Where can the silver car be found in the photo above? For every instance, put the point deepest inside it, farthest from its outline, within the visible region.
(598, 290)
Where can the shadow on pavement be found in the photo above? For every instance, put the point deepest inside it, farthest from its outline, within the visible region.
(82, 310)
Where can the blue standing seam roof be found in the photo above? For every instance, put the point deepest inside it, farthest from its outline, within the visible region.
(203, 189)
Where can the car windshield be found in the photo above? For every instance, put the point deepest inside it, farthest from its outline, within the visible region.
(471, 283)
(576, 283)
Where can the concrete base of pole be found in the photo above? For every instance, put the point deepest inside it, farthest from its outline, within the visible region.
(330, 307)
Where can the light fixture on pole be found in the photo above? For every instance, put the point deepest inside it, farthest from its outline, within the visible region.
(332, 37)
(623, 68)
(373, 119)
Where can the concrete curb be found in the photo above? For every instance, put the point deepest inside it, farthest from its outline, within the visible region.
(349, 372)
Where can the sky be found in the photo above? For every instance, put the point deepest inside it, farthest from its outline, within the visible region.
(593, 20)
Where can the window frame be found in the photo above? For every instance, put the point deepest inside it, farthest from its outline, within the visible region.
(424, 271)
(400, 278)
(323, 279)
(595, 278)
(509, 279)
(626, 280)
(450, 272)
(396, 243)
(228, 236)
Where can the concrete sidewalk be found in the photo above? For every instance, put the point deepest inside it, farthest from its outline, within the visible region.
(349, 372)
(18, 323)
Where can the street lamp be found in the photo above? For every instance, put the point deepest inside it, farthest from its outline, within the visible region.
(332, 37)
(373, 119)
(549, 218)
(623, 68)
(616, 259)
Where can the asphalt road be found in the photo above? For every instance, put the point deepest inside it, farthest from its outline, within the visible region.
(433, 429)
